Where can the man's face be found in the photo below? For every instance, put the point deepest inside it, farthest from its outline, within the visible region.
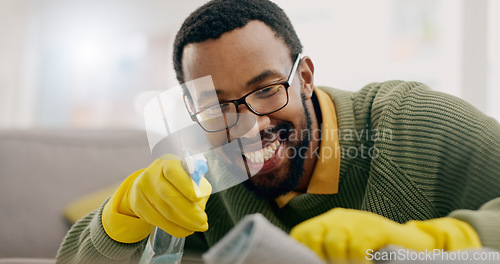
(242, 61)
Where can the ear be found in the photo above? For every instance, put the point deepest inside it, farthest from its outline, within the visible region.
(306, 69)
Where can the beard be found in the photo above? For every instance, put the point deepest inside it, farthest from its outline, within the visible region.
(296, 163)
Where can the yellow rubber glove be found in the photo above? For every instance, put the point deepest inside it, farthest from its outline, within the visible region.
(346, 234)
(161, 195)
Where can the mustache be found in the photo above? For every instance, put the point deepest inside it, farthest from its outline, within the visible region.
(282, 129)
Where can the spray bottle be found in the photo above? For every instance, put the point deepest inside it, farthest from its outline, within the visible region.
(163, 248)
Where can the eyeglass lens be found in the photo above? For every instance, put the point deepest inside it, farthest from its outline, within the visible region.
(263, 101)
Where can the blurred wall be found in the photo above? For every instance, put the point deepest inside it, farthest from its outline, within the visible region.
(18, 62)
(93, 64)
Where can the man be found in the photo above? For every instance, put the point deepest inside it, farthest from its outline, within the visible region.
(394, 163)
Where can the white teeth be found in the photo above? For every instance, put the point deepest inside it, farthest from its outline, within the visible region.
(258, 156)
(264, 154)
(275, 144)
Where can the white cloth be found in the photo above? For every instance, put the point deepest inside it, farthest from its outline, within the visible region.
(255, 240)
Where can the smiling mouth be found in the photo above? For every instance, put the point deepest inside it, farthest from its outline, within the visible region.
(264, 154)
(270, 156)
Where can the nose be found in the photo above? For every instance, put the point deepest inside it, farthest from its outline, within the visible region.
(249, 124)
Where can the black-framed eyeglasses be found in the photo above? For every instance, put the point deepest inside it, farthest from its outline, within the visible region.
(266, 100)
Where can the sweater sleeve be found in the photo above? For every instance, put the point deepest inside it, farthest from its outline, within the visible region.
(87, 242)
(448, 149)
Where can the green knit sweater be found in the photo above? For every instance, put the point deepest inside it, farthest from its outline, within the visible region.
(432, 155)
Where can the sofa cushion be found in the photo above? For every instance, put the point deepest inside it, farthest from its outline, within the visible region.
(43, 171)
(88, 203)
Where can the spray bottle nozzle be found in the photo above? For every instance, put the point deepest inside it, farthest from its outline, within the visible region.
(195, 165)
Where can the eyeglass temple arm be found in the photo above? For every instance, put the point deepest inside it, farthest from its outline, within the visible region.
(294, 68)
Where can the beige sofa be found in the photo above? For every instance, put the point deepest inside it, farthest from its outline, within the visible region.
(42, 171)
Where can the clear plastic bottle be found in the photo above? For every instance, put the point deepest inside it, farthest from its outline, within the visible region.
(163, 248)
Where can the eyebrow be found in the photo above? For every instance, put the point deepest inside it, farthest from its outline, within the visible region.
(208, 94)
(262, 76)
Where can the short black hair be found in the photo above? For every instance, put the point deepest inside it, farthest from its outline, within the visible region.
(217, 17)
